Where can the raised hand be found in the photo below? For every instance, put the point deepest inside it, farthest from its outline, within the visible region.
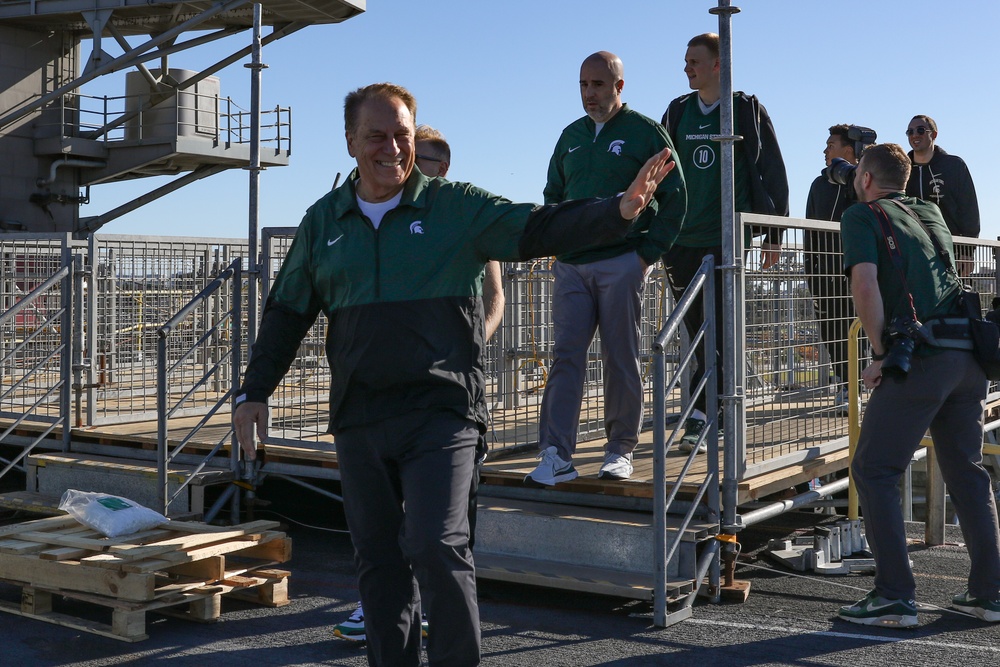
(641, 191)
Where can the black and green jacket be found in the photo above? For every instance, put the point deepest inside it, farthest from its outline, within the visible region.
(585, 165)
(404, 301)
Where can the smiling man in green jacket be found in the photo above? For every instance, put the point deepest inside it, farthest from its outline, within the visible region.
(394, 260)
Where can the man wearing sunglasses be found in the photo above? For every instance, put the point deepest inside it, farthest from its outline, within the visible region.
(944, 179)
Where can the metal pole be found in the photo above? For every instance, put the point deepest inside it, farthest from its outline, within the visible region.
(255, 68)
(659, 488)
(237, 361)
(732, 363)
(161, 422)
(69, 260)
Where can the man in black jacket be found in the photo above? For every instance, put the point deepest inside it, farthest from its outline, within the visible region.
(761, 186)
(944, 179)
(823, 262)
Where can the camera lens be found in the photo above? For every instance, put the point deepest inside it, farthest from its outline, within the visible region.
(897, 360)
(840, 172)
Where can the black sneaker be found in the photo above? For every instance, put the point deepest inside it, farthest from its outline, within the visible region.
(693, 428)
(873, 609)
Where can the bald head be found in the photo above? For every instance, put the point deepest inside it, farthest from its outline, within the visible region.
(609, 61)
(601, 83)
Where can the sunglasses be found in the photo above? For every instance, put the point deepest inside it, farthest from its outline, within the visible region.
(434, 159)
(919, 129)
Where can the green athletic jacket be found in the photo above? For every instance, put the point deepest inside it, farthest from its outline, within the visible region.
(583, 165)
(404, 301)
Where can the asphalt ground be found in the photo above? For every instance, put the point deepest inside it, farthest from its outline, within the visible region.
(789, 619)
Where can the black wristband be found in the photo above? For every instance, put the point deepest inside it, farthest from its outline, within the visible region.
(879, 357)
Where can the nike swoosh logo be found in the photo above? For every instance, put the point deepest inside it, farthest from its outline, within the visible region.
(573, 149)
(330, 243)
(702, 127)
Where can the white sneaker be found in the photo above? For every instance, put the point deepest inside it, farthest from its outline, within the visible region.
(552, 469)
(353, 629)
(616, 466)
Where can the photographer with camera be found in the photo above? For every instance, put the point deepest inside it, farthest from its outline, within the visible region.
(920, 379)
(829, 196)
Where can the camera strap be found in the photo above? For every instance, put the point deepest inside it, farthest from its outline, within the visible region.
(938, 248)
(892, 245)
(944, 332)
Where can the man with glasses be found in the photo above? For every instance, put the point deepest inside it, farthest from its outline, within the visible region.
(600, 287)
(433, 159)
(944, 179)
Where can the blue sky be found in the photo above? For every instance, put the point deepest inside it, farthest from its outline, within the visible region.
(499, 79)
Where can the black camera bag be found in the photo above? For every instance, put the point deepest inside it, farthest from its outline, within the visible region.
(985, 332)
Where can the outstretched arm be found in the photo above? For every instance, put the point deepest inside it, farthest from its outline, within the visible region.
(641, 192)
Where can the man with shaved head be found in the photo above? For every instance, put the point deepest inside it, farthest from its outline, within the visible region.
(600, 287)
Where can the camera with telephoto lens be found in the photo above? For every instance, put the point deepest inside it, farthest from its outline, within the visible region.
(840, 171)
(901, 338)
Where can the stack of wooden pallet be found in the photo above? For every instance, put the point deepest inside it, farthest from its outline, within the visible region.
(179, 568)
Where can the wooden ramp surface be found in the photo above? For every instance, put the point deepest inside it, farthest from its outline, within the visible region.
(774, 429)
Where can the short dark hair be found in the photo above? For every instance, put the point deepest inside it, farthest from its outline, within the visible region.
(429, 135)
(841, 130)
(376, 91)
(927, 119)
(888, 164)
(709, 40)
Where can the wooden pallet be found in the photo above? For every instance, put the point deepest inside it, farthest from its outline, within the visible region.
(179, 568)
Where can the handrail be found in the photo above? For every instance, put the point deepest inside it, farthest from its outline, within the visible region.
(702, 283)
(232, 317)
(56, 319)
(34, 294)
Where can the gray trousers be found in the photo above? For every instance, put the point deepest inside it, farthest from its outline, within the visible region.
(607, 296)
(946, 393)
(406, 485)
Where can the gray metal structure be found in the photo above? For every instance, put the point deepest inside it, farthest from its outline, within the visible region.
(709, 490)
(62, 141)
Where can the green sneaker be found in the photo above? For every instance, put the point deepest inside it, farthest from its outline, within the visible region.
(875, 610)
(987, 610)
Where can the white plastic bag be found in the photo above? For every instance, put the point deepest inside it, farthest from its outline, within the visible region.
(110, 515)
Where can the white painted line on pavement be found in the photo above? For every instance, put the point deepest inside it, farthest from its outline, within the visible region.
(788, 630)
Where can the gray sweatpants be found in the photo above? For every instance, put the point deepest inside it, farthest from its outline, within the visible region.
(406, 486)
(605, 295)
(946, 393)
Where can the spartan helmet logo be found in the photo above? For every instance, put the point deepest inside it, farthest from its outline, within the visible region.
(616, 146)
(415, 227)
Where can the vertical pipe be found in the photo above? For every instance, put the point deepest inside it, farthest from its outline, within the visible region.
(853, 414)
(732, 365)
(66, 358)
(712, 402)
(161, 422)
(255, 68)
(77, 334)
(659, 489)
(91, 333)
(237, 359)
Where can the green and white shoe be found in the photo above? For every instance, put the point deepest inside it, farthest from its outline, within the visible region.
(987, 610)
(876, 610)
